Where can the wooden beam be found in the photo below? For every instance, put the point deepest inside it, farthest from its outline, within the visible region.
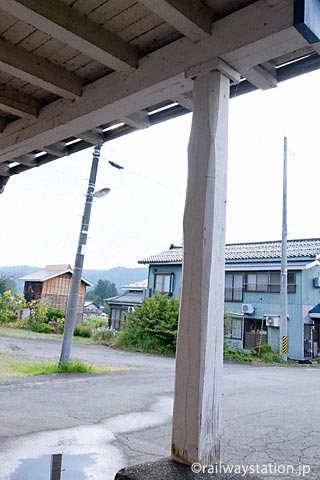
(138, 120)
(261, 77)
(199, 359)
(17, 103)
(214, 64)
(4, 170)
(193, 18)
(274, 3)
(58, 149)
(76, 30)
(91, 136)
(36, 70)
(3, 124)
(3, 182)
(284, 42)
(29, 159)
(316, 47)
(185, 100)
(159, 77)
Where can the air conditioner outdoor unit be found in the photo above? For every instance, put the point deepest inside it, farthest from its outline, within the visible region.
(247, 308)
(130, 309)
(316, 282)
(273, 321)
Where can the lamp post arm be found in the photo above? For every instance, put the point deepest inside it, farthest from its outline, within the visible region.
(78, 265)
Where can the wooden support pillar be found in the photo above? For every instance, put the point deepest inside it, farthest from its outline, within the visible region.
(197, 413)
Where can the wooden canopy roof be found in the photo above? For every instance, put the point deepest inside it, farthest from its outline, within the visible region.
(79, 72)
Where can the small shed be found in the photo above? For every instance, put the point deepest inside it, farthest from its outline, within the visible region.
(92, 308)
(53, 284)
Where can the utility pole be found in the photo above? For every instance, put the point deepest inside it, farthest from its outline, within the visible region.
(78, 266)
(284, 264)
(56, 462)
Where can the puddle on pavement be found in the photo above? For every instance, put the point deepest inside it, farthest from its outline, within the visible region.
(88, 452)
(55, 467)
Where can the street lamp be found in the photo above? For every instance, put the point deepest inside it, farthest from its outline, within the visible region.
(78, 265)
(101, 193)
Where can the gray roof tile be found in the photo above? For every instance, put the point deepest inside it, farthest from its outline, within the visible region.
(305, 248)
(127, 298)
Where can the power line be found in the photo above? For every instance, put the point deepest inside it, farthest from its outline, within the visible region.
(117, 165)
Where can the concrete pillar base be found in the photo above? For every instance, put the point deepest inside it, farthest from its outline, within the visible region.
(168, 469)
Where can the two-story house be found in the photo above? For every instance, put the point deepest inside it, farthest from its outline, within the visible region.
(252, 292)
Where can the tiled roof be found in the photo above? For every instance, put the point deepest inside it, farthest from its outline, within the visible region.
(142, 285)
(296, 249)
(306, 248)
(50, 271)
(173, 255)
(128, 298)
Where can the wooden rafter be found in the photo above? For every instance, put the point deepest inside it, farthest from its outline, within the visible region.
(138, 120)
(4, 170)
(93, 136)
(3, 124)
(159, 77)
(76, 30)
(29, 159)
(262, 77)
(58, 149)
(38, 71)
(193, 18)
(17, 103)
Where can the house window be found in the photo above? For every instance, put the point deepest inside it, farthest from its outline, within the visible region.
(115, 318)
(236, 328)
(163, 283)
(257, 282)
(275, 282)
(233, 287)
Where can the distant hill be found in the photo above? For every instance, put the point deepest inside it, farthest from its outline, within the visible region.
(15, 272)
(117, 275)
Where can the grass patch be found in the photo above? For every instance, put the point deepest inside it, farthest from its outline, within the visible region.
(10, 366)
(23, 333)
(238, 356)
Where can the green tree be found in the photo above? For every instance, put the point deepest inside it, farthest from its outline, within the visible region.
(7, 283)
(152, 327)
(104, 289)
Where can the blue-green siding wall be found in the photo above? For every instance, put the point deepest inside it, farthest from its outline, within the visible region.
(299, 304)
(175, 269)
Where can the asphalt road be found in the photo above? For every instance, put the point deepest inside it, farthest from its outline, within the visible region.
(103, 422)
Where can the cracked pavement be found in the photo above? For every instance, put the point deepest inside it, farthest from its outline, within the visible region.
(270, 414)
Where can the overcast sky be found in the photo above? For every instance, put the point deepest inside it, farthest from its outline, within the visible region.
(41, 209)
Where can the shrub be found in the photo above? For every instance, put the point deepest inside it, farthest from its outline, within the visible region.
(271, 357)
(238, 355)
(82, 331)
(55, 314)
(104, 337)
(43, 328)
(152, 327)
(265, 348)
(10, 306)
